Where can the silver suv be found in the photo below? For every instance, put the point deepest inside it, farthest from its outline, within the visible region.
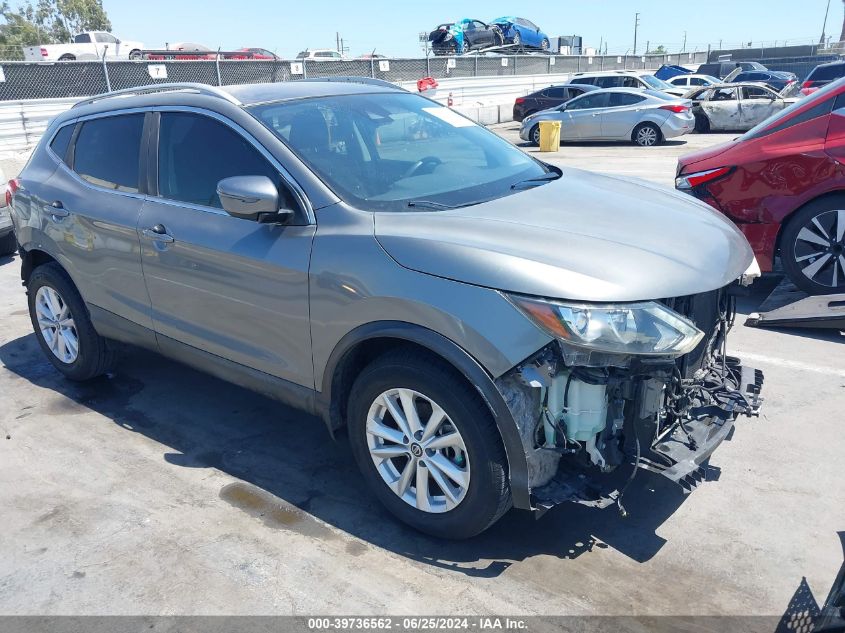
(490, 330)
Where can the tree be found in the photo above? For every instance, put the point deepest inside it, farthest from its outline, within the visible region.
(48, 22)
(661, 50)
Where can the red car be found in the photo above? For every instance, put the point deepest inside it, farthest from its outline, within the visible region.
(783, 184)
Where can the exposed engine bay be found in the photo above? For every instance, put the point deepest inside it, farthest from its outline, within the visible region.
(583, 414)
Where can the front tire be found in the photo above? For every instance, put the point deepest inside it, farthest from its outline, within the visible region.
(544, 45)
(63, 326)
(813, 247)
(67, 57)
(427, 445)
(647, 135)
(535, 135)
(135, 55)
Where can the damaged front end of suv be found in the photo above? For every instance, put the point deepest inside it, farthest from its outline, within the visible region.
(648, 384)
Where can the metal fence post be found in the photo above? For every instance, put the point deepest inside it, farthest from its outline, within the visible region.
(217, 67)
(372, 68)
(427, 66)
(475, 72)
(106, 73)
(304, 69)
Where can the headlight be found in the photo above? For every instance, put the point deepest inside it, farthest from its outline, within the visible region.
(646, 329)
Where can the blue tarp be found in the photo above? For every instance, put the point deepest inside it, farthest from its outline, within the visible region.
(667, 71)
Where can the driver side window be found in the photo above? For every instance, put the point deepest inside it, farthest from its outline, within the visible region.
(196, 152)
(590, 101)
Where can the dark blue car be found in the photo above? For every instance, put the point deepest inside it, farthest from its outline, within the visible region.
(522, 32)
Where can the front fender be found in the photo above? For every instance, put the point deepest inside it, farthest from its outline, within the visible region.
(459, 359)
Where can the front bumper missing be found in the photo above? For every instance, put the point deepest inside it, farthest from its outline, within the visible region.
(679, 452)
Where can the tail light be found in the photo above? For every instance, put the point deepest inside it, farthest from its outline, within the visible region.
(691, 181)
(43, 52)
(11, 190)
(677, 109)
(807, 84)
(520, 100)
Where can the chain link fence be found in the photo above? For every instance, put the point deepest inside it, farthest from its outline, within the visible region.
(46, 80)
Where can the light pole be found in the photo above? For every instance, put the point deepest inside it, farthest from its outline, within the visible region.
(637, 25)
(824, 24)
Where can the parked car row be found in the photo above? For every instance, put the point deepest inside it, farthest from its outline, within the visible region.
(644, 117)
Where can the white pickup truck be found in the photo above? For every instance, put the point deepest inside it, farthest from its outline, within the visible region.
(85, 46)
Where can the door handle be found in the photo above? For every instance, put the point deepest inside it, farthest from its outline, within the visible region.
(158, 233)
(57, 210)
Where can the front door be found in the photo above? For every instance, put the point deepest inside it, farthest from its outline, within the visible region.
(582, 117)
(757, 104)
(234, 288)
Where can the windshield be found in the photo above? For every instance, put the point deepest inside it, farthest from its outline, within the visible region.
(654, 82)
(398, 151)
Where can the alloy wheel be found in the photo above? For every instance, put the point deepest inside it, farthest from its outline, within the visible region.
(417, 450)
(819, 249)
(56, 324)
(647, 136)
(535, 135)
(544, 45)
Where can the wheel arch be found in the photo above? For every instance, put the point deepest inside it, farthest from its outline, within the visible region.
(32, 259)
(789, 217)
(365, 343)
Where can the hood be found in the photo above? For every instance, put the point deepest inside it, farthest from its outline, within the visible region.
(584, 237)
(690, 162)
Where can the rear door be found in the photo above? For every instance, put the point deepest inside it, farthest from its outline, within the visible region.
(582, 117)
(232, 287)
(722, 109)
(96, 197)
(623, 112)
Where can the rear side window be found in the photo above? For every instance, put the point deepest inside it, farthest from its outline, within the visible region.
(107, 152)
(556, 93)
(619, 99)
(61, 141)
(196, 152)
(82, 38)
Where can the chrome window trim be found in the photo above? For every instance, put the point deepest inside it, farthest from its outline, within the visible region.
(75, 175)
(284, 173)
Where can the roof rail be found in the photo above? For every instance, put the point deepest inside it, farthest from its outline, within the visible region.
(212, 91)
(354, 79)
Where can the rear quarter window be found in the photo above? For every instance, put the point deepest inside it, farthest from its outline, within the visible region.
(61, 141)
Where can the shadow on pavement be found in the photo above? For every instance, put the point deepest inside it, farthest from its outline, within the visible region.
(203, 422)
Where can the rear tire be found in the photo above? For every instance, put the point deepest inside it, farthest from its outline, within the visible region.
(811, 250)
(702, 124)
(135, 55)
(480, 461)
(51, 293)
(8, 244)
(647, 135)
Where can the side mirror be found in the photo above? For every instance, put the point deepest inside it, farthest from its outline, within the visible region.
(253, 198)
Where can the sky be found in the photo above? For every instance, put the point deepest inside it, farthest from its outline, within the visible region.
(393, 27)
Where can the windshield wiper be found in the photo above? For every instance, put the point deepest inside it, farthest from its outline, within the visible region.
(537, 180)
(429, 204)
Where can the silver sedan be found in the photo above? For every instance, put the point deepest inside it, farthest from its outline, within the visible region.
(644, 117)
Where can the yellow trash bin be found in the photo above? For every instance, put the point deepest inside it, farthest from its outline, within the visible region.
(549, 136)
